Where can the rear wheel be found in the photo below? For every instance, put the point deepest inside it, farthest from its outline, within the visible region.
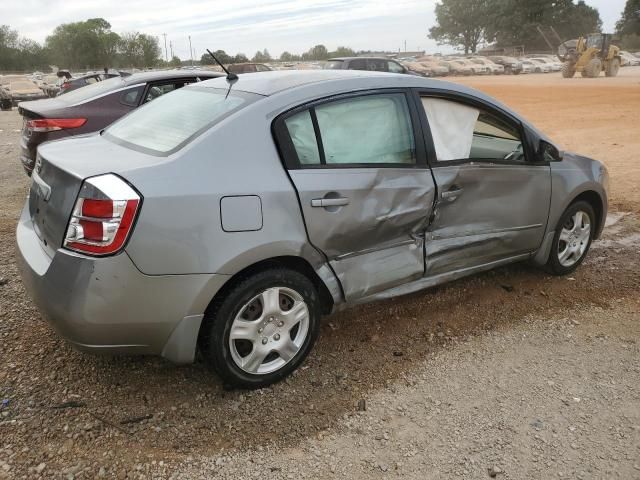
(612, 68)
(5, 105)
(568, 69)
(262, 329)
(572, 239)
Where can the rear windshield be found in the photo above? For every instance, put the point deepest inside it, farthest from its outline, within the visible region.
(91, 90)
(172, 120)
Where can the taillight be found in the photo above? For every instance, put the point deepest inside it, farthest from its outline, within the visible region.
(65, 85)
(103, 216)
(51, 124)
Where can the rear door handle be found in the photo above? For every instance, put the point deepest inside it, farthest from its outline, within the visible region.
(329, 202)
(452, 193)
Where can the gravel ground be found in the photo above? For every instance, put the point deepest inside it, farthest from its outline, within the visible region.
(510, 374)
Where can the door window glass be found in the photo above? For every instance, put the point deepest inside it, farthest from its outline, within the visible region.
(463, 132)
(395, 67)
(376, 65)
(373, 129)
(358, 64)
(158, 90)
(300, 127)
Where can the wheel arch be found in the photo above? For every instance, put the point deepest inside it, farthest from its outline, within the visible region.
(319, 277)
(594, 199)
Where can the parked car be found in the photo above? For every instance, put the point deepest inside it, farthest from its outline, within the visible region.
(417, 68)
(93, 107)
(232, 217)
(554, 65)
(436, 67)
(18, 89)
(248, 67)
(537, 66)
(493, 68)
(373, 64)
(511, 65)
(72, 84)
(458, 67)
(629, 60)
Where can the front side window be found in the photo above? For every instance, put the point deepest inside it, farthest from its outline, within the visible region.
(333, 65)
(464, 132)
(169, 122)
(395, 67)
(366, 130)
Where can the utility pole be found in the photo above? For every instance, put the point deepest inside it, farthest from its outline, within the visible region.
(191, 50)
(171, 48)
(166, 55)
(405, 46)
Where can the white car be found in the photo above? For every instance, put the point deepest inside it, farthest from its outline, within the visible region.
(534, 67)
(555, 66)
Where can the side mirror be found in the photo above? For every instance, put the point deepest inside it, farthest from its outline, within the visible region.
(549, 152)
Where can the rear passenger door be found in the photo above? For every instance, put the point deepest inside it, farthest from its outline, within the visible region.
(359, 167)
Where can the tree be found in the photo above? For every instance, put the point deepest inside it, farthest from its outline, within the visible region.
(461, 23)
(342, 52)
(285, 56)
(261, 56)
(629, 24)
(319, 52)
(240, 58)
(515, 22)
(175, 61)
(83, 44)
(138, 50)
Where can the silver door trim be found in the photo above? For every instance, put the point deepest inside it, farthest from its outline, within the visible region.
(486, 232)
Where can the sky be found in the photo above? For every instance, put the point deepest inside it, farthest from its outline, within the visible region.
(250, 25)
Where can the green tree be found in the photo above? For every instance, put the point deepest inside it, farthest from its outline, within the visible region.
(240, 58)
(261, 56)
(461, 23)
(83, 44)
(629, 24)
(175, 62)
(319, 52)
(342, 52)
(138, 50)
(285, 56)
(515, 22)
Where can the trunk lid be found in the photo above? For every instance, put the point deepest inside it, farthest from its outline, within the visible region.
(61, 168)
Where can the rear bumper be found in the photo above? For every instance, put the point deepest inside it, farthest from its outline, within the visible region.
(106, 305)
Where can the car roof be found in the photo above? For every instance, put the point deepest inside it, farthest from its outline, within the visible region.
(344, 59)
(143, 77)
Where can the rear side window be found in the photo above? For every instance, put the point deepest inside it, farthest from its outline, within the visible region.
(360, 131)
(169, 122)
(358, 64)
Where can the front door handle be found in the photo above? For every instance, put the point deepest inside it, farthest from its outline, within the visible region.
(330, 202)
(452, 193)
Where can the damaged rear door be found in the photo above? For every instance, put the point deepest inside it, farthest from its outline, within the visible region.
(366, 192)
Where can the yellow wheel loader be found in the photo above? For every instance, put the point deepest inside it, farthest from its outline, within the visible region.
(590, 55)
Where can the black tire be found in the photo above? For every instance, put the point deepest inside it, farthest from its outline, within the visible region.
(219, 317)
(568, 70)
(593, 68)
(554, 266)
(612, 68)
(5, 105)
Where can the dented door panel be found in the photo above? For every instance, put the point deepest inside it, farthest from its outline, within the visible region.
(486, 212)
(372, 226)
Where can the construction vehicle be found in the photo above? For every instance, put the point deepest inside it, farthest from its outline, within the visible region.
(590, 55)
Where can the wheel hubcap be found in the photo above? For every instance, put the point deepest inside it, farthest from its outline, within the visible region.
(269, 330)
(574, 239)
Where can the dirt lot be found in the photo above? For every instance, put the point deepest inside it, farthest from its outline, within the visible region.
(511, 374)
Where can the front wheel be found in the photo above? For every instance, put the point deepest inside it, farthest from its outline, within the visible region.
(613, 66)
(262, 329)
(5, 105)
(572, 239)
(568, 69)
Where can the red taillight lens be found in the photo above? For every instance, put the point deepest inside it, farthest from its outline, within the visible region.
(65, 85)
(51, 124)
(100, 226)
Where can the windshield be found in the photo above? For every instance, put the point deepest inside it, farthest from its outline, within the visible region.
(172, 120)
(91, 90)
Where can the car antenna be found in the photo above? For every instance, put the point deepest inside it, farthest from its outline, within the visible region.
(231, 77)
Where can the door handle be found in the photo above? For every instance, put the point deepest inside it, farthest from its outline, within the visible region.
(451, 193)
(329, 202)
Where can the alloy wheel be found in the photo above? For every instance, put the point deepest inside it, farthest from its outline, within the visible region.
(269, 330)
(574, 239)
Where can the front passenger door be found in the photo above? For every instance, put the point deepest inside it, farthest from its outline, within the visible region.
(365, 190)
(493, 196)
